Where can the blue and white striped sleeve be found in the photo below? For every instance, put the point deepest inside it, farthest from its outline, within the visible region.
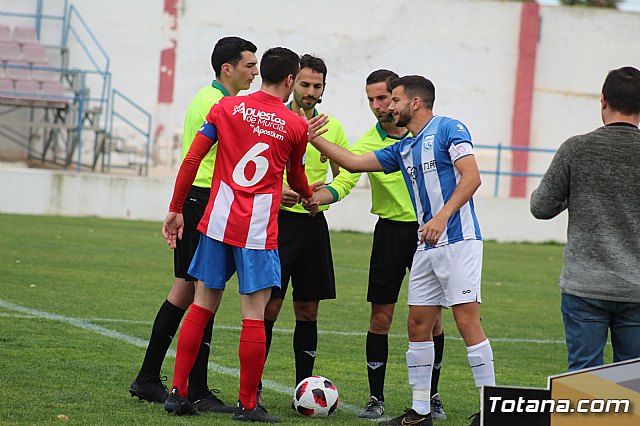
(389, 158)
(458, 140)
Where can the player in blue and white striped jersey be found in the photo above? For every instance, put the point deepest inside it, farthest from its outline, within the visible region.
(441, 174)
(427, 164)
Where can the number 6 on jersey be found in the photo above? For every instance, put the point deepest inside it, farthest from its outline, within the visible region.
(261, 163)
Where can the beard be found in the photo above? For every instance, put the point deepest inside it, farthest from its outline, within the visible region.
(403, 118)
(387, 117)
(303, 101)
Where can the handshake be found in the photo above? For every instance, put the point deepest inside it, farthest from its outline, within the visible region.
(291, 198)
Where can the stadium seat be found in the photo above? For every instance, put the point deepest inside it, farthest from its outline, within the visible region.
(5, 33)
(10, 51)
(24, 35)
(6, 88)
(18, 70)
(53, 90)
(34, 54)
(27, 89)
(45, 74)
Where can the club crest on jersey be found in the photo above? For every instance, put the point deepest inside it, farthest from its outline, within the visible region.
(427, 144)
(323, 159)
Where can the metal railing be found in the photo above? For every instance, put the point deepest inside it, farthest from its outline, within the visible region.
(145, 132)
(89, 112)
(90, 51)
(499, 169)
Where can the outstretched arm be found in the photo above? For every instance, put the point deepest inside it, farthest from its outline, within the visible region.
(343, 157)
(346, 159)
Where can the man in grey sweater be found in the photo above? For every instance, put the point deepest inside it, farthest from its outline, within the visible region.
(596, 177)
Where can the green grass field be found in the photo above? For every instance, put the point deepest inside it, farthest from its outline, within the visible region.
(78, 296)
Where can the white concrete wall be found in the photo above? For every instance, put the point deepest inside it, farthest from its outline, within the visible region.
(472, 63)
(46, 192)
(578, 47)
(467, 47)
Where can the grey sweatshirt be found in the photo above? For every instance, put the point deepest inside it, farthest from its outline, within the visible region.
(597, 177)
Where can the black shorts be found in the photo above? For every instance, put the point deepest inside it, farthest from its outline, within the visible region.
(192, 212)
(394, 244)
(305, 257)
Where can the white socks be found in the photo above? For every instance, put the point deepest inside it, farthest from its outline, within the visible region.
(481, 361)
(420, 358)
(420, 363)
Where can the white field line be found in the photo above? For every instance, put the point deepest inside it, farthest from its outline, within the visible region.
(290, 331)
(86, 324)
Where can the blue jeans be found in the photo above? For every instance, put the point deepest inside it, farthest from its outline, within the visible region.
(587, 323)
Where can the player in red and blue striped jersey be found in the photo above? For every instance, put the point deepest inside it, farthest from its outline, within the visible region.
(235, 65)
(257, 137)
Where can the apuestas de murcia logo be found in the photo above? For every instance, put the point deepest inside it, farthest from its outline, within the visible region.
(261, 131)
(264, 119)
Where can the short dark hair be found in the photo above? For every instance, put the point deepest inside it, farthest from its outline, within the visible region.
(277, 63)
(315, 64)
(416, 86)
(621, 90)
(228, 50)
(381, 76)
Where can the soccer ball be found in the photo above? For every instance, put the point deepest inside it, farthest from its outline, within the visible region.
(315, 396)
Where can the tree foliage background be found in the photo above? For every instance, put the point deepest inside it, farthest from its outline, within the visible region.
(594, 3)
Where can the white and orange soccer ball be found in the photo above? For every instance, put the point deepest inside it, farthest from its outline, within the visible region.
(315, 396)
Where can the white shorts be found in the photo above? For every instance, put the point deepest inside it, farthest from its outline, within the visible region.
(447, 275)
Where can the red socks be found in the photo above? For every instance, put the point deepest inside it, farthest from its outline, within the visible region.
(189, 345)
(252, 351)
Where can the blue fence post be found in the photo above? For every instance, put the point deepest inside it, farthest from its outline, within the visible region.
(146, 163)
(80, 118)
(38, 18)
(498, 157)
(113, 104)
(108, 100)
(66, 26)
(64, 32)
